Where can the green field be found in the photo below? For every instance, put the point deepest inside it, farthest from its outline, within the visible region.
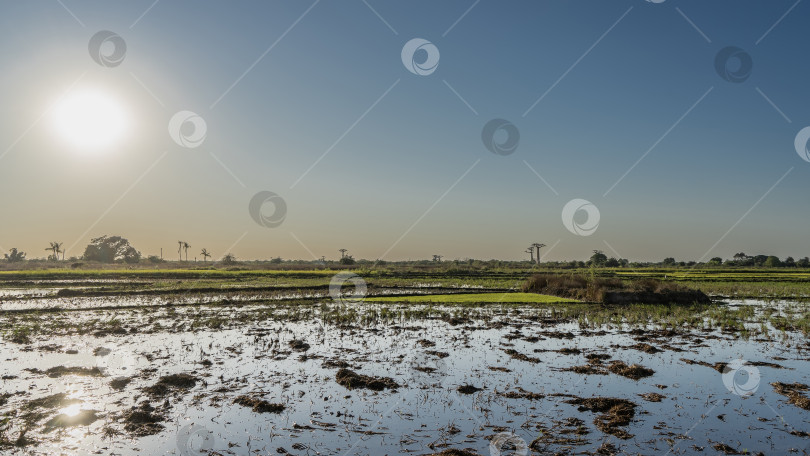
(480, 298)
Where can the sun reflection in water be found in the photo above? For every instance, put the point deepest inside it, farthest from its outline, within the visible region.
(71, 410)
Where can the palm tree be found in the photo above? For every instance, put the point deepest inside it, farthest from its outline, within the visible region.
(55, 247)
(205, 254)
(180, 249)
(186, 247)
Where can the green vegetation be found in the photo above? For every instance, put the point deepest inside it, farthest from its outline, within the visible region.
(613, 290)
(480, 298)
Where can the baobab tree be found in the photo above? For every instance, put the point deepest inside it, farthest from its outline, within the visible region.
(437, 258)
(538, 246)
(342, 253)
(205, 255)
(530, 251)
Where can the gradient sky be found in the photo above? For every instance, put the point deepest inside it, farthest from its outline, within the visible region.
(617, 76)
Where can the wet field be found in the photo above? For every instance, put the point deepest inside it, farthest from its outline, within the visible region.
(305, 372)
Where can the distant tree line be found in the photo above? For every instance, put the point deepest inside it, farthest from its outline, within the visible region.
(117, 249)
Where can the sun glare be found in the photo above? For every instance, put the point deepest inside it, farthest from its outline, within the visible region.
(89, 120)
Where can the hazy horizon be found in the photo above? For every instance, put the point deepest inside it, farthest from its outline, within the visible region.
(620, 104)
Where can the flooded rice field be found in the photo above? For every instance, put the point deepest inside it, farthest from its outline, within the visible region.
(323, 376)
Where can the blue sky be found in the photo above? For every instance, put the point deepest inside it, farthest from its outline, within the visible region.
(411, 177)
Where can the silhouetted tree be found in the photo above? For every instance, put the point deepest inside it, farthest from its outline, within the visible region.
(530, 251)
(14, 256)
(342, 253)
(538, 246)
(205, 255)
(108, 249)
(56, 248)
(598, 258)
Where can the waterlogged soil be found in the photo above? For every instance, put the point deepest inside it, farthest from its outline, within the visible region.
(289, 377)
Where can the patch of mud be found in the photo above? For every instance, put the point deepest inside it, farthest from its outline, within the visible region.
(143, 420)
(171, 383)
(614, 413)
(353, 380)
(469, 389)
(120, 383)
(438, 354)
(59, 371)
(632, 371)
(514, 354)
(795, 392)
(646, 348)
(523, 394)
(259, 405)
(652, 397)
(454, 452)
(721, 366)
(299, 345)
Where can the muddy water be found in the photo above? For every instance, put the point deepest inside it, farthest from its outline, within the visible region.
(426, 414)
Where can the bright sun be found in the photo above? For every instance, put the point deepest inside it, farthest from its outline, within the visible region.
(90, 120)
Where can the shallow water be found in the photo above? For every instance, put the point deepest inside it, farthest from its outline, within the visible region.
(43, 299)
(423, 415)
